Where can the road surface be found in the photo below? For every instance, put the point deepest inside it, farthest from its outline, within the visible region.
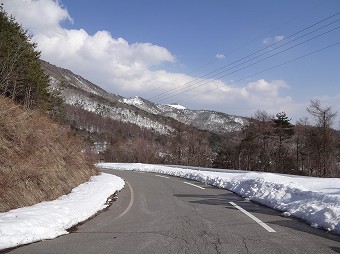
(161, 214)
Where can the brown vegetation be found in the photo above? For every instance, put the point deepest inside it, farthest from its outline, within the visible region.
(39, 159)
(126, 142)
(272, 144)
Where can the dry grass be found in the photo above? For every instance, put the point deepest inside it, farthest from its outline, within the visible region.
(39, 159)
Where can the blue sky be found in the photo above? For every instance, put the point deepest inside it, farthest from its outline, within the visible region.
(154, 48)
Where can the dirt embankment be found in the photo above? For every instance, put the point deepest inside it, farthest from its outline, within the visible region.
(39, 159)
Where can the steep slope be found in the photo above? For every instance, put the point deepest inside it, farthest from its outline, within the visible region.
(80, 92)
(39, 159)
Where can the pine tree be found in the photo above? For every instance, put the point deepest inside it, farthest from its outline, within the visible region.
(21, 75)
(283, 130)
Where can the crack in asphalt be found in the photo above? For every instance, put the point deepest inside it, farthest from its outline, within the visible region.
(187, 240)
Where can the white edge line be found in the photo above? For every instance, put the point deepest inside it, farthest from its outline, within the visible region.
(195, 185)
(260, 222)
(130, 204)
(162, 176)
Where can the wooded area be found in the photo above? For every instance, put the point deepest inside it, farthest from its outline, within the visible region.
(273, 144)
(267, 143)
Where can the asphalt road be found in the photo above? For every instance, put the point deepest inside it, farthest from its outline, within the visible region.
(161, 214)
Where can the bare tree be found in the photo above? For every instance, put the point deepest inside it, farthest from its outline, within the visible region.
(322, 136)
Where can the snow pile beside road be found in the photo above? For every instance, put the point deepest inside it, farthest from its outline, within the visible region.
(314, 200)
(48, 220)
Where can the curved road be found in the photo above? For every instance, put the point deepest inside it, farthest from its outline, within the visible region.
(161, 214)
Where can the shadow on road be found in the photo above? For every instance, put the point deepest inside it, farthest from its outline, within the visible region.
(255, 208)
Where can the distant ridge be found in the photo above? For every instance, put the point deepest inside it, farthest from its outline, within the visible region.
(76, 90)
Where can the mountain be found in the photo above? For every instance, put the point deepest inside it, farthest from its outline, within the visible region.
(213, 121)
(80, 92)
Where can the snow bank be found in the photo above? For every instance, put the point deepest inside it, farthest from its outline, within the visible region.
(48, 220)
(314, 200)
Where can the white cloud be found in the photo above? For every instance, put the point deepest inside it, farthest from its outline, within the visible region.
(270, 40)
(247, 99)
(107, 61)
(220, 56)
(122, 67)
(265, 88)
(267, 40)
(278, 38)
(38, 15)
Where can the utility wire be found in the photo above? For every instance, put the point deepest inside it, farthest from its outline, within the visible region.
(219, 76)
(268, 69)
(215, 73)
(236, 49)
(218, 71)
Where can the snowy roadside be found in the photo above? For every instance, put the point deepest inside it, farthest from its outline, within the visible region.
(47, 220)
(314, 200)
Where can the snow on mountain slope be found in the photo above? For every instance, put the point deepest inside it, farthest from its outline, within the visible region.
(177, 106)
(78, 91)
(203, 119)
(116, 113)
(142, 104)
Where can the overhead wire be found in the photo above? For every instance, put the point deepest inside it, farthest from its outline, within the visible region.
(234, 50)
(218, 76)
(245, 44)
(215, 73)
(265, 70)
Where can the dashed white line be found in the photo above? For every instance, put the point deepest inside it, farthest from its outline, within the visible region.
(195, 185)
(162, 176)
(260, 222)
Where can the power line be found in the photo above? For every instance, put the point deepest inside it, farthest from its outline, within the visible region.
(234, 50)
(218, 75)
(170, 93)
(268, 69)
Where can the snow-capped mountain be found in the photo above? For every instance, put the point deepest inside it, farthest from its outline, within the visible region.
(78, 91)
(203, 119)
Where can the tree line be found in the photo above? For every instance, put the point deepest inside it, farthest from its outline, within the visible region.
(273, 144)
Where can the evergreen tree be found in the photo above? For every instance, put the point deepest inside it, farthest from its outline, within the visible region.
(21, 75)
(283, 130)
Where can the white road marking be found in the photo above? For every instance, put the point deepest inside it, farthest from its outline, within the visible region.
(194, 185)
(130, 204)
(264, 225)
(162, 176)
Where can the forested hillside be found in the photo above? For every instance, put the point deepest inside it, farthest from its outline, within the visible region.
(39, 158)
(137, 130)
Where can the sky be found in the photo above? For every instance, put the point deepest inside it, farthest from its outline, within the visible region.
(235, 57)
